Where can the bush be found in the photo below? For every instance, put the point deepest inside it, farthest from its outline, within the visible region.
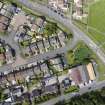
(71, 89)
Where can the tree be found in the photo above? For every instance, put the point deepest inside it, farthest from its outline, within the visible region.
(70, 57)
(82, 54)
(90, 98)
(50, 29)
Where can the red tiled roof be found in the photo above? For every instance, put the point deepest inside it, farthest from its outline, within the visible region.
(76, 76)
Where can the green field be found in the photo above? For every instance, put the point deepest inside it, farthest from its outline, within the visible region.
(97, 15)
(96, 20)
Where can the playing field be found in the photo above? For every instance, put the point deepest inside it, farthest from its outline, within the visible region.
(96, 22)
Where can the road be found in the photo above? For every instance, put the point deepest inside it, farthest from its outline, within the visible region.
(83, 90)
(67, 23)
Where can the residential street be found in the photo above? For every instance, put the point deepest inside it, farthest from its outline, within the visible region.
(71, 44)
(66, 22)
(78, 35)
(93, 86)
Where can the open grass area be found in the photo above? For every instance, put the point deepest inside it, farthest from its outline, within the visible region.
(96, 20)
(97, 15)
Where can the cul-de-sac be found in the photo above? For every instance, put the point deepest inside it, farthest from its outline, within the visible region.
(52, 52)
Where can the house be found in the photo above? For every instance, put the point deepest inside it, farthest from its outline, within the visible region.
(47, 44)
(34, 49)
(8, 54)
(49, 81)
(56, 63)
(62, 38)
(41, 46)
(59, 4)
(45, 69)
(78, 14)
(6, 14)
(49, 85)
(54, 43)
(36, 92)
(16, 90)
(51, 89)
